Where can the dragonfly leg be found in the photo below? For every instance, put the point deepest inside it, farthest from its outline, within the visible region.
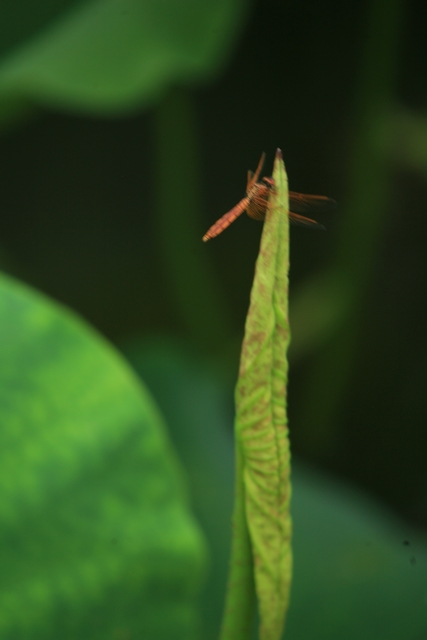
(257, 172)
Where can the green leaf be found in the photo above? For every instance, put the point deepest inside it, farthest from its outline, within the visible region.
(96, 538)
(262, 522)
(195, 406)
(113, 56)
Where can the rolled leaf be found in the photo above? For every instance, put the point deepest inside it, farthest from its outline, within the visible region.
(262, 524)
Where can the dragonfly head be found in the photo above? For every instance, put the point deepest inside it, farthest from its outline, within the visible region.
(268, 181)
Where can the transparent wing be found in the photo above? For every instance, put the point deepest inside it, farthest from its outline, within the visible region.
(302, 221)
(302, 203)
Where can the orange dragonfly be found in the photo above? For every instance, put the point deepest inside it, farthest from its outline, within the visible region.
(256, 201)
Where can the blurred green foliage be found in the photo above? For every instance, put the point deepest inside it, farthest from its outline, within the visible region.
(108, 57)
(358, 572)
(96, 537)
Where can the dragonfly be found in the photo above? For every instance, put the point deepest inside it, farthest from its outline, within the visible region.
(256, 200)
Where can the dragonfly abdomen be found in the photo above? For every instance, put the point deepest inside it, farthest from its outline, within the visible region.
(226, 220)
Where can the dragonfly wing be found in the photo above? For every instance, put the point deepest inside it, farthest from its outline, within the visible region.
(302, 203)
(302, 221)
(226, 220)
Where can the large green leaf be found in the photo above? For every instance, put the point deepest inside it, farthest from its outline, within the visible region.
(110, 56)
(195, 408)
(96, 537)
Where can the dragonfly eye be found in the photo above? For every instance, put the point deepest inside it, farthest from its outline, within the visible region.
(268, 181)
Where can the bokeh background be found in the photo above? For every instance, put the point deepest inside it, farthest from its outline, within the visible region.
(126, 130)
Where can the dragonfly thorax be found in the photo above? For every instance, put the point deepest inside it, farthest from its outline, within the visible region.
(258, 196)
